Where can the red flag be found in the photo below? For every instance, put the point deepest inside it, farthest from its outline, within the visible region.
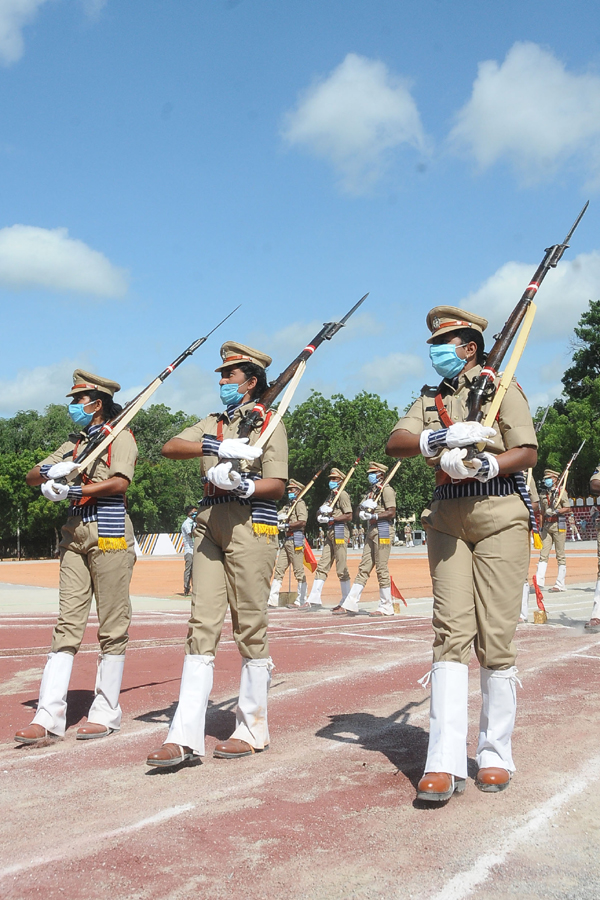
(309, 557)
(396, 593)
(538, 594)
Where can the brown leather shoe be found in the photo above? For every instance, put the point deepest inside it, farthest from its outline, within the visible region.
(234, 749)
(492, 779)
(169, 755)
(593, 623)
(439, 786)
(91, 731)
(340, 611)
(32, 734)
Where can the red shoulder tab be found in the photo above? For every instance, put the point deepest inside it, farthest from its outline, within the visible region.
(267, 420)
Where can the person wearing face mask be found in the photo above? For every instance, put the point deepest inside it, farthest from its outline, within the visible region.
(96, 559)
(335, 547)
(594, 622)
(554, 529)
(292, 522)
(378, 515)
(477, 529)
(187, 533)
(235, 550)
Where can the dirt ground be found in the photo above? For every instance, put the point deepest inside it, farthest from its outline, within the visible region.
(328, 813)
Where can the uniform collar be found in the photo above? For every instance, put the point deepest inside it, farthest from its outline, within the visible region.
(462, 380)
(230, 413)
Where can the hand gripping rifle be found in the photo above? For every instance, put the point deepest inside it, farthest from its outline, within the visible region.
(109, 431)
(379, 488)
(290, 376)
(482, 388)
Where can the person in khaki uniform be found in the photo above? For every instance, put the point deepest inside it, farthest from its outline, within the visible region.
(554, 529)
(535, 505)
(377, 511)
(594, 621)
(478, 546)
(335, 547)
(292, 521)
(96, 559)
(235, 547)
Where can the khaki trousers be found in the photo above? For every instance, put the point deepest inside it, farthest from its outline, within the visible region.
(478, 551)
(289, 556)
(551, 535)
(232, 567)
(188, 559)
(87, 571)
(375, 556)
(331, 552)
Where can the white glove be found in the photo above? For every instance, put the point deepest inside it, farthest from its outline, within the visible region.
(222, 477)
(452, 464)
(485, 467)
(238, 448)
(325, 510)
(55, 492)
(462, 434)
(281, 525)
(368, 504)
(61, 469)
(281, 517)
(550, 511)
(365, 515)
(323, 520)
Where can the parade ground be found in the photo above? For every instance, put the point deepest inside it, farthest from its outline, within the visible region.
(329, 811)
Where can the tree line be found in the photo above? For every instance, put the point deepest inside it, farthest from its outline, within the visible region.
(319, 429)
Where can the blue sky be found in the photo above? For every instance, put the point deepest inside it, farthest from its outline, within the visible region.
(162, 162)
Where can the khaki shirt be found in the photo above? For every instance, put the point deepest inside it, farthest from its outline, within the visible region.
(514, 427)
(343, 505)
(274, 460)
(123, 455)
(560, 502)
(299, 514)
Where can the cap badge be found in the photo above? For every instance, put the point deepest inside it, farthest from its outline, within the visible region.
(435, 322)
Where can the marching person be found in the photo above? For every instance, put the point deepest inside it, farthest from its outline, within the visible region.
(335, 547)
(235, 547)
(292, 521)
(478, 547)
(594, 621)
(96, 559)
(554, 530)
(378, 515)
(408, 535)
(535, 505)
(187, 533)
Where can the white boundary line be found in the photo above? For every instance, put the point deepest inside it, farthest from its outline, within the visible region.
(464, 883)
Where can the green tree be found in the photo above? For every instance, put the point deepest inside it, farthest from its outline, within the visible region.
(579, 378)
(156, 425)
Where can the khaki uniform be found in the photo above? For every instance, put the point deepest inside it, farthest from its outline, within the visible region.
(332, 551)
(554, 530)
(376, 552)
(478, 546)
(85, 570)
(289, 554)
(233, 564)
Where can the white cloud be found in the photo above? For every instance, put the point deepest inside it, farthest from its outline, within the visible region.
(36, 388)
(386, 374)
(562, 297)
(93, 8)
(49, 258)
(14, 15)
(532, 112)
(354, 117)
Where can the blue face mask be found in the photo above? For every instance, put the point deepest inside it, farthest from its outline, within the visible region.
(372, 476)
(229, 393)
(333, 485)
(291, 496)
(548, 482)
(79, 415)
(445, 360)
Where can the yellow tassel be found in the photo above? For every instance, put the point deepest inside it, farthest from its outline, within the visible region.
(384, 540)
(264, 529)
(537, 542)
(340, 541)
(108, 545)
(299, 549)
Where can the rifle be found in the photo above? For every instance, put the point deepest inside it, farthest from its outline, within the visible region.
(379, 488)
(109, 430)
(349, 475)
(562, 481)
(539, 425)
(482, 388)
(304, 491)
(292, 373)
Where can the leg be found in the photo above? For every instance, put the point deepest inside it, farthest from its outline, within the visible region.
(314, 598)
(350, 602)
(386, 604)
(544, 556)
(561, 559)
(280, 570)
(498, 712)
(187, 573)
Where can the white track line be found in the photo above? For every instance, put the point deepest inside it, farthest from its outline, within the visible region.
(465, 883)
(378, 637)
(161, 816)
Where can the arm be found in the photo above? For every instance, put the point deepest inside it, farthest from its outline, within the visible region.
(117, 484)
(296, 526)
(344, 517)
(388, 515)
(269, 488)
(402, 444)
(594, 487)
(178, 448)
(34, 478)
